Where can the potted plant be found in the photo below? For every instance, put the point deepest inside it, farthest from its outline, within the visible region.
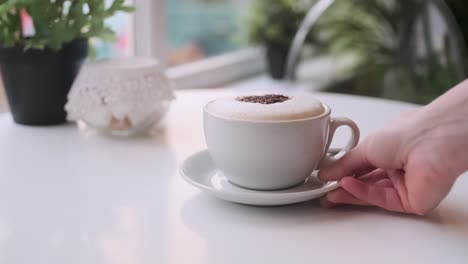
(42, 46)
(273, 24)
(393, 44)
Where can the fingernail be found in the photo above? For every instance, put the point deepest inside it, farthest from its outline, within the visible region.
(345, 181)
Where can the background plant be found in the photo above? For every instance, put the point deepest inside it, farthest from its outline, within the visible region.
(386, 38)
(460, 10)
(57, 22)
(276, 22)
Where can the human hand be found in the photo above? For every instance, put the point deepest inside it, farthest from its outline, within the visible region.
(410, 165)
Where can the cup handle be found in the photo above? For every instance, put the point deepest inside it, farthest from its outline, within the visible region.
(331, 155)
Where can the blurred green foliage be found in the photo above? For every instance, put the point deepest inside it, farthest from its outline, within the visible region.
(460, 10)
(276, 22)
(386, 39)
(57, 22)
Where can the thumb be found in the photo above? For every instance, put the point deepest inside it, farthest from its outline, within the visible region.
(380, 150)
(355, 161)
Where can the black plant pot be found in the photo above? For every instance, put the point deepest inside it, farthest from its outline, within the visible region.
(277, 56)
(37, 82)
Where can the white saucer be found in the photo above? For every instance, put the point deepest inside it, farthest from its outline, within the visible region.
(200, 171)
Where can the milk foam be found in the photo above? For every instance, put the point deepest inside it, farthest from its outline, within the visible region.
(299, 106)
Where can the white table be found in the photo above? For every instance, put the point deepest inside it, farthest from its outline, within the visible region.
(72, 197)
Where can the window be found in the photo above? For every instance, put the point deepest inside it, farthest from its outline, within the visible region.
(123, 46)
(200, 42)
(198, 29)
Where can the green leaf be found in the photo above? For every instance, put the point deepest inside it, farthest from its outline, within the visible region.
(57, 22)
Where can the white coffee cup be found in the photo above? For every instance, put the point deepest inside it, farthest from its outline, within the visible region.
(272, 155)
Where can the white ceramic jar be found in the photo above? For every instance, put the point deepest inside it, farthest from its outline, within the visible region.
(124, 96)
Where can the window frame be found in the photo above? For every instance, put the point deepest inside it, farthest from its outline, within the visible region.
(150, 39)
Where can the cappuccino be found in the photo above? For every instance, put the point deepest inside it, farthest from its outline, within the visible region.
(267, 107)
(271, 141)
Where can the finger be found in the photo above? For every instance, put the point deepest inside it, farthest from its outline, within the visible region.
(386, 198)
(341, 196)
(374, 176)
(364, 170)
(347, 165)
(385, 183)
